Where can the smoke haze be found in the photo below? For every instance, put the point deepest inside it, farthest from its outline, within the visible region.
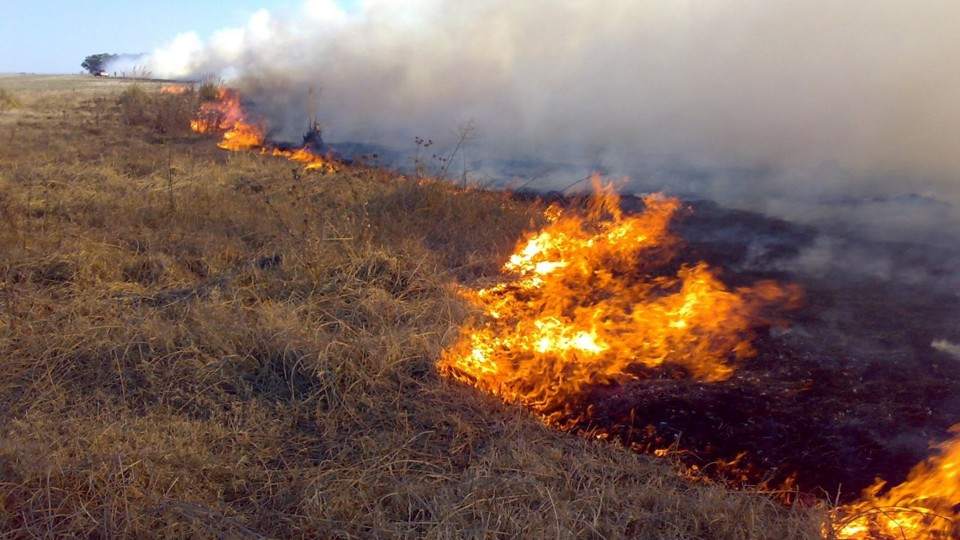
(787, 106)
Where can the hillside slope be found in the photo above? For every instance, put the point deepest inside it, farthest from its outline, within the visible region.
(196, 343)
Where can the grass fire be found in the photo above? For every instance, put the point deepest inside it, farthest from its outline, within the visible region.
(384, 269)
(607, 316)
(923, 507)
(590, 302)
(225, 115)
(596, 297)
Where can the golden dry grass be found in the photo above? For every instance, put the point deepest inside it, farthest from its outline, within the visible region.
(196, 344)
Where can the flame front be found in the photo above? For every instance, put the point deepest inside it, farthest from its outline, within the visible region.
(924, 507)
(587, 300)
(227, 115)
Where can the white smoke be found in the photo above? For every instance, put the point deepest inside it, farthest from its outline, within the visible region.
(943, 345)
(829, 98)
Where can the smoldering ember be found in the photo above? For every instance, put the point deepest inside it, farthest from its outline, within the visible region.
(395, 269)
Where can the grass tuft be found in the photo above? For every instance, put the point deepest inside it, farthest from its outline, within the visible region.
(164, 114)
(8, 100)
(209, 91)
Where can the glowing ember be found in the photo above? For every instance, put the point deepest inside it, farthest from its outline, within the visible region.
(925, 507)
(227, 115)
(587, 301)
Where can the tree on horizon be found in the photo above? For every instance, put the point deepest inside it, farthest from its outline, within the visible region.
(97, 63)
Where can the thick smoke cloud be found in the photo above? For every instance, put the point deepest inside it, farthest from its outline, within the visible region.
(786, 104)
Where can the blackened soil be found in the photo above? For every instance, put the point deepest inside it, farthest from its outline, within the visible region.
(851, 391)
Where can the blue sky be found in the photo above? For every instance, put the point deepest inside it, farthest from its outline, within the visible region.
(53, 36)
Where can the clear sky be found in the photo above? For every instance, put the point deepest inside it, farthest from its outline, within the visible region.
(53, 36)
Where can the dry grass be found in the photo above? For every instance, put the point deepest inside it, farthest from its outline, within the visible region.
(8, 100)
(202, 344)
(165, 114)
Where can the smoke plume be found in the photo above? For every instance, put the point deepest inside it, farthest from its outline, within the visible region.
(789, 107)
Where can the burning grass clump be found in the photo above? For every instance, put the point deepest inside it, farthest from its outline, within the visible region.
(590, 299)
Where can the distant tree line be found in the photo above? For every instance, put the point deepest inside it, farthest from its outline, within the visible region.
(98, 64)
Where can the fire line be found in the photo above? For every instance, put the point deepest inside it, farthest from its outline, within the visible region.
(581, 302)
(227, 116)
(591, 296)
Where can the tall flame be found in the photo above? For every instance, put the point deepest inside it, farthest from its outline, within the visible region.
(588, 299)
(924, 507)
(227, 115)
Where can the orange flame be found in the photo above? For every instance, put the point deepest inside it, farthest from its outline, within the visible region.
(924, 507)
(242, 136)
(585, 301)
(226, 115)
(174, 89)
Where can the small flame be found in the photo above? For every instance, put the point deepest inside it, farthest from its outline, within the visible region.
(242, 136)
(227, 115)
(586, 299)
(924, 507)
(174, 89)
(223, 114)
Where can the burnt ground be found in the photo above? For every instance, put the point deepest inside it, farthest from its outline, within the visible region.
(852, 390)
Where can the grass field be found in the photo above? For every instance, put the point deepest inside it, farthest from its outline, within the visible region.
(202, 344)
